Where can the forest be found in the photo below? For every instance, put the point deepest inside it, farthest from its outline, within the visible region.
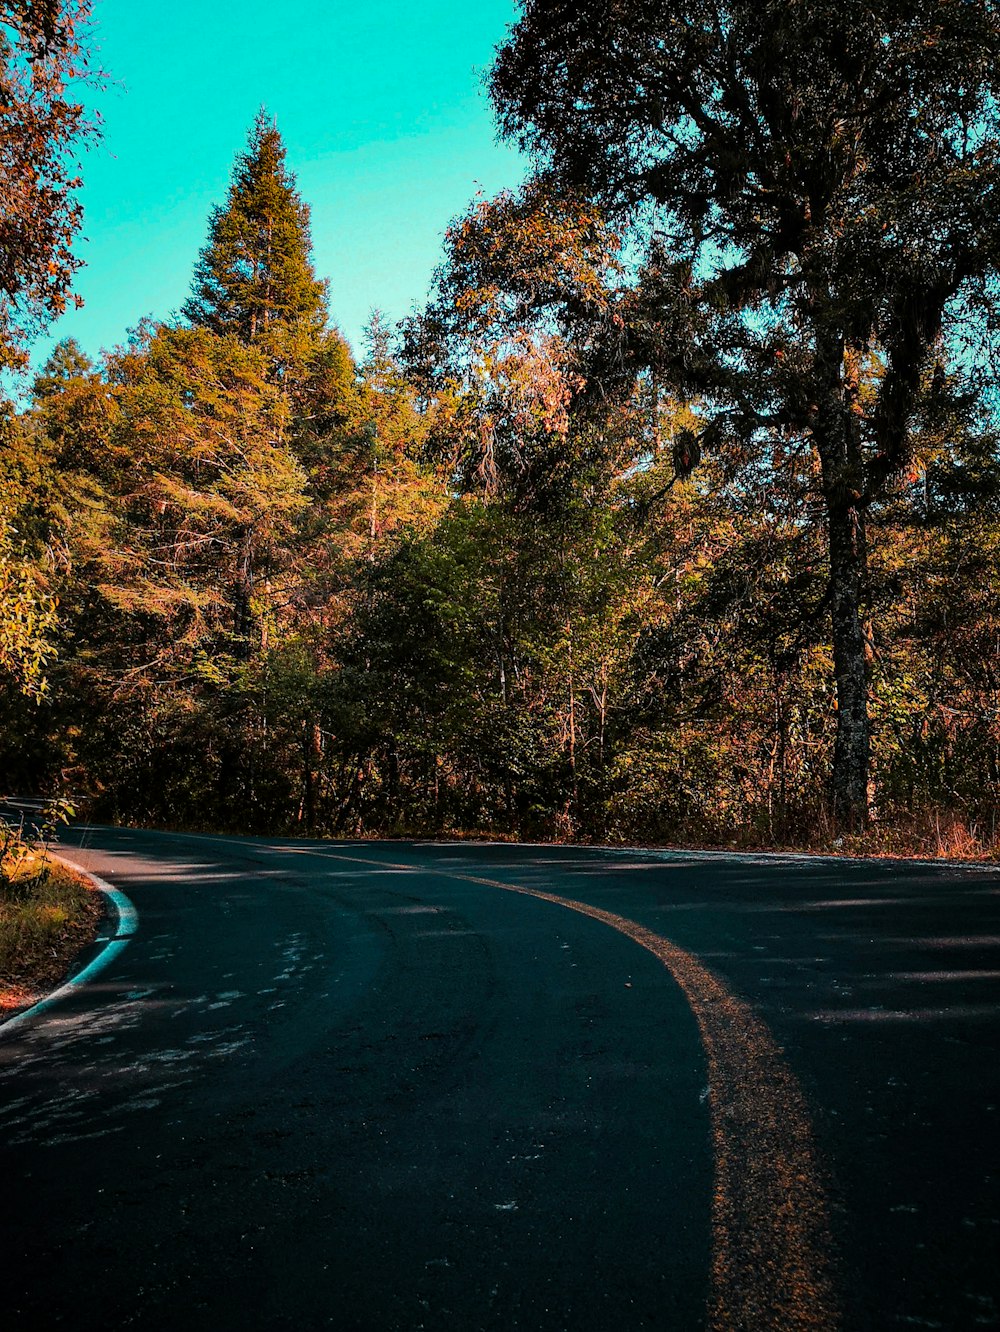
(673, 516)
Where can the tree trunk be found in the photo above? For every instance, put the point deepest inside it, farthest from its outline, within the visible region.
(852, 746)
(572, 723)
(308, 806)
(837, 439)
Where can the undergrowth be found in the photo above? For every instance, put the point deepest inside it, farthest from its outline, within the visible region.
(48, 914)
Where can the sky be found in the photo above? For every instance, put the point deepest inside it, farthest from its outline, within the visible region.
(383, 113)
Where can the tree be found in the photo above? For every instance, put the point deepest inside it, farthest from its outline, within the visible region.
(817, 187)
(71, 410)
(42, 125)
(39, 453)
(181, 527)
(254, 281)
(377, 482)
(503, 349)
(254, 278)
(207, 494)
(27, 620)
(27, 607)
(67, 361)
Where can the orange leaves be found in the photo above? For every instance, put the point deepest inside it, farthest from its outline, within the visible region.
(39, 126)
(538, 384)
(528, 283)
(517, 254)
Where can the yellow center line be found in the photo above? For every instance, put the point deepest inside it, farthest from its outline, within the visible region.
(771, 1242)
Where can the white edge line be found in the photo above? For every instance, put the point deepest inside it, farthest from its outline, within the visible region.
(128, 923)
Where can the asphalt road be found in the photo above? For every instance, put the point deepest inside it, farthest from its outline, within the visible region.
(369, 1086)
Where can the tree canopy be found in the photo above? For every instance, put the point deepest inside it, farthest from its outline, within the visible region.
(816, 189)
(255, 274)
(674, 515)
(44, 61)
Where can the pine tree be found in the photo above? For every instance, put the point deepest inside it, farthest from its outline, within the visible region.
(67, 361)
(255, 278)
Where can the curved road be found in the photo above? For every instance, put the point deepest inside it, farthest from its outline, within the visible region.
(405, 1086)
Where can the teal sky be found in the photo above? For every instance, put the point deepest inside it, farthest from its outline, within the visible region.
(382, 110)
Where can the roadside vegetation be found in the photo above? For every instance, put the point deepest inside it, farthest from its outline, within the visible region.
(48, 915)
(674, 516)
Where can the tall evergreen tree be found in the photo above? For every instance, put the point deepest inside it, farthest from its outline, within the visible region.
(255, 275)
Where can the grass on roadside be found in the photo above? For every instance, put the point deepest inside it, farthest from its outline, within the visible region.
(48, 914)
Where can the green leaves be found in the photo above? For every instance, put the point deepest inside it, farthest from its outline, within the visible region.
(254, 278)
(28, 618)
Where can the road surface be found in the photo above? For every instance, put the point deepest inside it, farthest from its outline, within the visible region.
(407, 1086)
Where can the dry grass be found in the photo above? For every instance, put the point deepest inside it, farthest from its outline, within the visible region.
(48, 914)
(924, 835)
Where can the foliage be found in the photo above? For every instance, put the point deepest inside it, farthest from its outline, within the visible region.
(523, 294)
(27, 609)
(43, 62)
(560, 559)
(47, 914)
(27, 619)
(254, 279)
(817, 187)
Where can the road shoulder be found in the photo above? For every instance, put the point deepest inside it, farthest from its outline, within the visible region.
(59, 925)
